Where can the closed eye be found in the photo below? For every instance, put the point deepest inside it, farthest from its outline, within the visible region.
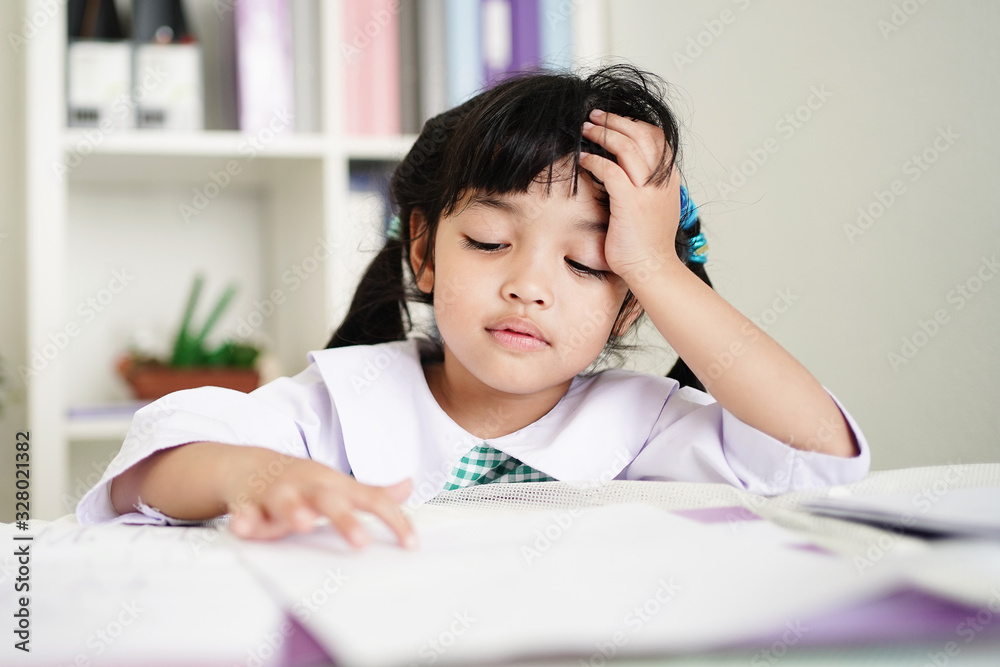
(577, 268)
(476, 245)
(587, 271)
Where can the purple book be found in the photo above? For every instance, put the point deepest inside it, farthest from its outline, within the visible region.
(526, 47)
(510, 37)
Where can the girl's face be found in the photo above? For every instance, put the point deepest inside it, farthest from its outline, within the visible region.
(523, 297)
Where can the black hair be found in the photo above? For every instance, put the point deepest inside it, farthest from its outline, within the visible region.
(499, 142)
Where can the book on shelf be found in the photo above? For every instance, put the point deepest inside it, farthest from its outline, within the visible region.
(153, 81)
(98, 67)
(525, 42)
(463, 50)
(511, 40)
(406, 62)
(265, 79)
(305, 65)
(432, 59)
(269, 66)
(403, 61)
(167, 78)
(117, 410)
(370, 57)
(555, 34)
(497, 40)
(171, 101)
(409, 62)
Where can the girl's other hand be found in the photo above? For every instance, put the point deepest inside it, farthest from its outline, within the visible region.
(280, 494)
(644, 217)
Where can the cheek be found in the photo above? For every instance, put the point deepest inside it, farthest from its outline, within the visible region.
(613, 305)
(454, 285)
(594, 314)
(613, 297)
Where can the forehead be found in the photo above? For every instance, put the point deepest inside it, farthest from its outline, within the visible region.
(548, 194)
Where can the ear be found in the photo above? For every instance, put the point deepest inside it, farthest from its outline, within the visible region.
(418, 248)
(630, 317)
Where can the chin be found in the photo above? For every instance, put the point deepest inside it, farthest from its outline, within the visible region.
(514, 372)
(526, 376)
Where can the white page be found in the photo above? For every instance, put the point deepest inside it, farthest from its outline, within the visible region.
(138, 595)
(972, 512)
(615, 580)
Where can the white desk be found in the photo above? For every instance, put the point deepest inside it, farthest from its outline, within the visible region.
(128, 595)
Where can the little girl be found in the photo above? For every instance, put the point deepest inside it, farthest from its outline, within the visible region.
(539, 219)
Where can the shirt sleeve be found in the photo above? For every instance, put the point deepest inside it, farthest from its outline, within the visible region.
(695, 439)
(294, 416)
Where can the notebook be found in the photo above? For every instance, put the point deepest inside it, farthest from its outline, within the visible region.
(938, 511)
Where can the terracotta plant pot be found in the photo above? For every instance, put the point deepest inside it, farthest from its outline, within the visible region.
(150, 380)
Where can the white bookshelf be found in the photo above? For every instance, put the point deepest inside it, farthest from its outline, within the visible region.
(118, 208)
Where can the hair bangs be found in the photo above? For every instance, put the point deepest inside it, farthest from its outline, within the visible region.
(521, 128)
(527, 124)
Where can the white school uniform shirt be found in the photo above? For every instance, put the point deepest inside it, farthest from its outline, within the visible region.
(367, 410)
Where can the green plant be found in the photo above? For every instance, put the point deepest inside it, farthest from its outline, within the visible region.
(190, 349)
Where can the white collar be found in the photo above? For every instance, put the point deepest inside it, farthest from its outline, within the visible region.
(394, 428)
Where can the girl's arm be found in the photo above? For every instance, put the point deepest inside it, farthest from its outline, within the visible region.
(268, 493)
(746, 370)
(201, 466)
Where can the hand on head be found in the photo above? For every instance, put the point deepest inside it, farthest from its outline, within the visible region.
(645, 211)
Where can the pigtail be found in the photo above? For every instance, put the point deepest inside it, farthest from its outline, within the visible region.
(379, 312)
(376, 312)
(685, 237)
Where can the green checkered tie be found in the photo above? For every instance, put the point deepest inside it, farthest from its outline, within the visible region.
(484, 464)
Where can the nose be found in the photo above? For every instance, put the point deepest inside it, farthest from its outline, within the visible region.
(528, 281)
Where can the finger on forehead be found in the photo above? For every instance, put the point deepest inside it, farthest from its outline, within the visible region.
(611, 174)
(630, 126)
(650, 138)
(633, 157)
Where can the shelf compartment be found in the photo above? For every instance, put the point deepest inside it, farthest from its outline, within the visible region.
(101, 422)
(375, 149)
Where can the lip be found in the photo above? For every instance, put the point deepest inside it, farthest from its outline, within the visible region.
(518, 332)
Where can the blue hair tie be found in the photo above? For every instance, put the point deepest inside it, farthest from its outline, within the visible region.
(697, 245)
(698, 249)
(689, 212)
(394, 230)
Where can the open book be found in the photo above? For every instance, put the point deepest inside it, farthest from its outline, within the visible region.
(971, 512)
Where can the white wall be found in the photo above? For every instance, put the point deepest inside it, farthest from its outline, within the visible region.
(853, 299)
(12, 250)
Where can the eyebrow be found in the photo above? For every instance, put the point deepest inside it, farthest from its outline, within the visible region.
(592, 226)
(495, 203)
(511, 208)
